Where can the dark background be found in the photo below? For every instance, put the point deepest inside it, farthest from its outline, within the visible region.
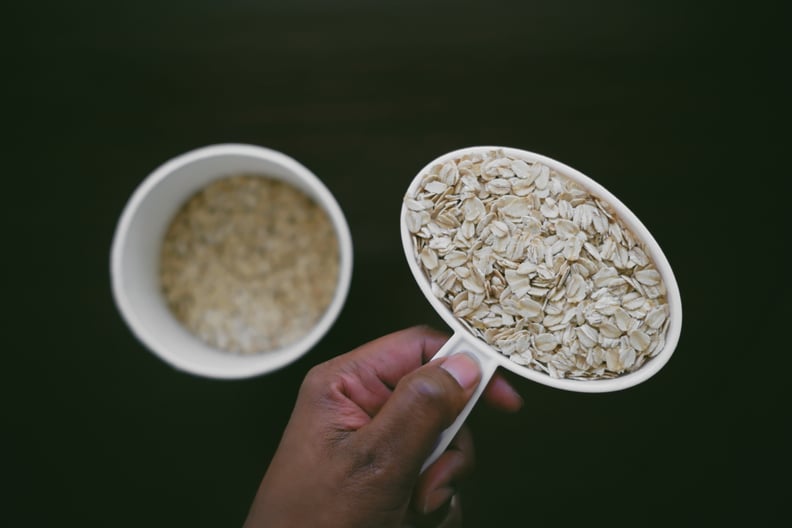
(667, 104)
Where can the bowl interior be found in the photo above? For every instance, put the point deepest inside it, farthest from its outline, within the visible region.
(136, 251)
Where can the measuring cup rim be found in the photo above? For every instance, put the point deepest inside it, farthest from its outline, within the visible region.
(673, 297)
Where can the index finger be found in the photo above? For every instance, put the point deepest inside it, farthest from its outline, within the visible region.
(395, 355)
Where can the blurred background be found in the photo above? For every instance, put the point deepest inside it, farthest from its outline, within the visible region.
(652, 99)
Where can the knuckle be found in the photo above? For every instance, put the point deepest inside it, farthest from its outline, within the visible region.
(316, 379)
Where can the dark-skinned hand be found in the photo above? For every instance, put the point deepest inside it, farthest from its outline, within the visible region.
(362, 427)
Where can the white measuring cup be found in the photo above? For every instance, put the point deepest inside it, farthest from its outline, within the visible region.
(490, 359)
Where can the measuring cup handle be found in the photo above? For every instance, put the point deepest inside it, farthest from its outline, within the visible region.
(458, 343)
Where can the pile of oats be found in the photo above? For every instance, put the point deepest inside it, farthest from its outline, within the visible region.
(537, 267)
(249, 264)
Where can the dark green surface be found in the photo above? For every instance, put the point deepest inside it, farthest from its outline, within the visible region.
(648, 98)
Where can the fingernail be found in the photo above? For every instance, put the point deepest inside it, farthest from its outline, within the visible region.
(464, 369)
(436, 499)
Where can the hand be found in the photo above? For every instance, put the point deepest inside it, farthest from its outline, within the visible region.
(362, 426)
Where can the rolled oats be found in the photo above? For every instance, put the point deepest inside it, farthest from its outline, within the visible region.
(537, 267)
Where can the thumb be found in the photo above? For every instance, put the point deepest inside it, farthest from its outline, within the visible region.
(425, 402)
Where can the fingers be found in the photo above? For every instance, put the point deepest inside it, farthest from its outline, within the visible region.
(368, 374)
(501, 395)
(393, 356)
(423, 404)
(439, 482)
(447, 516)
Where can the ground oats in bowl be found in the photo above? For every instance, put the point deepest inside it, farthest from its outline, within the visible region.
(249, 264)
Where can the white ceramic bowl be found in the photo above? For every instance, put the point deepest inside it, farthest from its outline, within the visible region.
(136, 245)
